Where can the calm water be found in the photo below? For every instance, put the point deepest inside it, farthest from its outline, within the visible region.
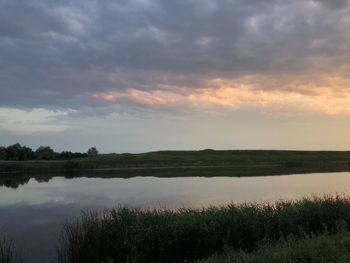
(32, 214)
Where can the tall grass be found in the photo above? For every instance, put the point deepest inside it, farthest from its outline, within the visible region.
(6, 251)
(134, 235)
(311, 249)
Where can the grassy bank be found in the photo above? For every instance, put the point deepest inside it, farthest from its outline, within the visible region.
(132, 235)
(312, 249)
(207, 162)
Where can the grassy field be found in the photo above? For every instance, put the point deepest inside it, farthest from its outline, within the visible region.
(133, 235)
(312, 249)
(187, 163)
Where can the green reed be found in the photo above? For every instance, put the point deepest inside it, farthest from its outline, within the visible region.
(6, 251)
(311, 249)
(162, 235)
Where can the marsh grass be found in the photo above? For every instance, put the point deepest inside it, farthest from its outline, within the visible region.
(161, 235)
(312, 249)
(6, 251)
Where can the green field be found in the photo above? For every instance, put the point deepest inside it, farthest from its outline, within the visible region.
(187, 163)
(207, 163)
(185, 235)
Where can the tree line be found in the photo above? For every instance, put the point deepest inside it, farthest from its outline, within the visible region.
(17, 152)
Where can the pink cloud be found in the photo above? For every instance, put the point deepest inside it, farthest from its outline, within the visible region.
(327, 93)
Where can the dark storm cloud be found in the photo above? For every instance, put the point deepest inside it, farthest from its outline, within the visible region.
(54, 54)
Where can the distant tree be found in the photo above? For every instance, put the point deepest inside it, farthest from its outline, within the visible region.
(65, 155)
(71, 155)
(13, 152)
(45, 153)
(92, 152)
(2, 153)
(27, 153)
(79, 155)
(17, 152)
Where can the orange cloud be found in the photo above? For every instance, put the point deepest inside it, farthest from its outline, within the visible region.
(328, 93)
(146, 98)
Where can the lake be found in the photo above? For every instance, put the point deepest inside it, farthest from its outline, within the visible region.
(32, 214)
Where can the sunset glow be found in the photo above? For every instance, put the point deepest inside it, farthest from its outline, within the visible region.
(327, 94)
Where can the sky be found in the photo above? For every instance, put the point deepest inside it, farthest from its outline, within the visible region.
(145, 75)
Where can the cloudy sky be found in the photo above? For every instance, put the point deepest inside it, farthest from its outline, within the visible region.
(142, 75)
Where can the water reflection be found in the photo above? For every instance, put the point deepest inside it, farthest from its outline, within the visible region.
(14, 182)
(32, 210)
(150, 191)
(35, 229)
